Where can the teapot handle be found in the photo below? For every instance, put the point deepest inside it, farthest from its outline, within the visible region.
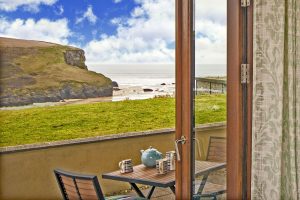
(142, 151)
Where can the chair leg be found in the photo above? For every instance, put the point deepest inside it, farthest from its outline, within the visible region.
(196, 197)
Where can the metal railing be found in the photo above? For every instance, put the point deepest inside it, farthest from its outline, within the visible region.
(209, 85)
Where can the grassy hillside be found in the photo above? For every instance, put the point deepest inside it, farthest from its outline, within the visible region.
(79, 121)
(32, 68)
(47, 68)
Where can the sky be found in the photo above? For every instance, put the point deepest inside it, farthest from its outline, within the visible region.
(117, 31)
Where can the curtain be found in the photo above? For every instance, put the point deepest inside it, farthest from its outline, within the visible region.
(276, 100)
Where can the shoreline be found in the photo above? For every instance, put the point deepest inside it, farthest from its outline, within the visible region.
(122, 93)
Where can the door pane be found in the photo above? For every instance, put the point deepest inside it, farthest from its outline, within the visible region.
(209, 151)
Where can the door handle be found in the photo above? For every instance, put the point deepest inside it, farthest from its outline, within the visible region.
(182, 140)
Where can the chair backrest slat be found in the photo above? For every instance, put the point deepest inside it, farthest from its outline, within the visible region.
(78, 187)
(216, 149)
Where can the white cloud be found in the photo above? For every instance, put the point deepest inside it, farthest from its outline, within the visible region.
(143, 37)
(28, 5)
(210, 42)
(88, 15)
(43, 29)
(138, 12)
(210, 28)
(59, 10)
(214, 10)
(116, 21)
(117, 1)
(148, 35)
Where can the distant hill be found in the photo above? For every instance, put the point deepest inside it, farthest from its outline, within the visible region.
(36, 71)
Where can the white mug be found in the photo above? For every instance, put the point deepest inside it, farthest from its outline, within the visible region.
(162, 166)
(126, 166)
(171, 156)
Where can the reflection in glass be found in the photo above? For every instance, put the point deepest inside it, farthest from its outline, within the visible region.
(210, 100)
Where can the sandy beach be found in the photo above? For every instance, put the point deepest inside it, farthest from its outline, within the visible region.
(123, 92)
(127, 93)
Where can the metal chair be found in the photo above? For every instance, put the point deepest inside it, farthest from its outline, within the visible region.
(216, 153)
(83, 187)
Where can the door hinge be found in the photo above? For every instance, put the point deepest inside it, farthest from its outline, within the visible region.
(245, 73)
(245, 3)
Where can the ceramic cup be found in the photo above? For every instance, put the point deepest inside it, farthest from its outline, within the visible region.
(171, 156)
(126, 166)
(162, 166)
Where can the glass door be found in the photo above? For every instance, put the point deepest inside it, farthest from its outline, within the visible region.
(207, 97)
(209, 110)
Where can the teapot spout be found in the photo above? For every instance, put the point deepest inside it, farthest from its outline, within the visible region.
(142, 151)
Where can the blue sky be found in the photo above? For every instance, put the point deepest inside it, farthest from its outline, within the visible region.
(116, 31)
(83, 30)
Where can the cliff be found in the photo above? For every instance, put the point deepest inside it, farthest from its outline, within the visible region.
(35, 72)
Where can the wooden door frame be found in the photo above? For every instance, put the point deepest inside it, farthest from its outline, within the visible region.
(234, 99)
(184, 97)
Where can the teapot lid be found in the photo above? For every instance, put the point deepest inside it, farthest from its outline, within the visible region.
(151, 149)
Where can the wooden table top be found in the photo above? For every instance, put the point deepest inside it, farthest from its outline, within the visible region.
(149, 176)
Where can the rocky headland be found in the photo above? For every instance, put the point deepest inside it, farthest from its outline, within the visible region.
(37, 72)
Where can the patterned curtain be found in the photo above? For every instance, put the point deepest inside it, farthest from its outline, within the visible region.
(276, 100)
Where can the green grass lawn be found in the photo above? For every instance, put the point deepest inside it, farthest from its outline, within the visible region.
(78, 121)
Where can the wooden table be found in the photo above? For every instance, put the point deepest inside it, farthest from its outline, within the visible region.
(149, 176)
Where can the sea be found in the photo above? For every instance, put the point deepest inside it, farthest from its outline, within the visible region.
(134, 78)
(149, 75)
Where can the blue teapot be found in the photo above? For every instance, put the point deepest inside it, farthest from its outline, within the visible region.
(150, 156)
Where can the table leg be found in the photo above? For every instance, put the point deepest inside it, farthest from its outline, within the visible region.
(172, 188)
(137, 190)
(150, 192)
(203, 182)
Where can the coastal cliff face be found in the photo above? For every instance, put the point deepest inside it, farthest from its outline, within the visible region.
(75, 57)
(36, 72)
